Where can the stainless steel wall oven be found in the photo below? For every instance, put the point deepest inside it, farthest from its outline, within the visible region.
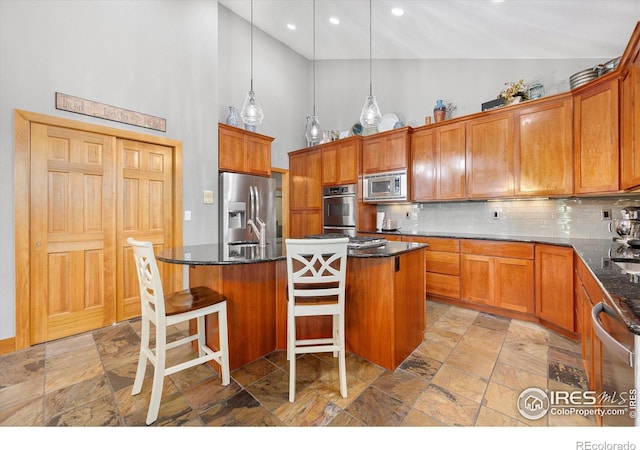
(340, 210)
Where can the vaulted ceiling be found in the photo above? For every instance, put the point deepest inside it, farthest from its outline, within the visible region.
(448, 28)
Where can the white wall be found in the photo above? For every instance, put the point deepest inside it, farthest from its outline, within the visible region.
(281, 81)
(410, 88)
(153, 56)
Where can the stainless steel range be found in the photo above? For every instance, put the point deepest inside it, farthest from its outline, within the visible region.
(354, 241)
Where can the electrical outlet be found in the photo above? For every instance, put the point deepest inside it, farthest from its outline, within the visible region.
(187, 215)
(606, 214)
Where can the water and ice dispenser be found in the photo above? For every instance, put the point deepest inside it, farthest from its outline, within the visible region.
(237, 215)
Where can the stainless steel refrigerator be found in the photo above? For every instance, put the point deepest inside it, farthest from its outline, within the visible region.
(243, 198)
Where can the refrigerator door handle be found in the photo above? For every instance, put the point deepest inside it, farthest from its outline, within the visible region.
(252, 208)
(257, 200)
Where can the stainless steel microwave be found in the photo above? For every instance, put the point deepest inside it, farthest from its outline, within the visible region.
(385, 187)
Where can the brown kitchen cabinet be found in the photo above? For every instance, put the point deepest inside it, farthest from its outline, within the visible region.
(554, 288)
(596, 137)
(490, 155)
(387, 151)
(498, 274)
(305, 193)
(305, 222)
(630, 113)
(442, 259)
(340, 161)
(544, 147)
(388, 237)
(243, 151)
(438, 162)
(587, 294)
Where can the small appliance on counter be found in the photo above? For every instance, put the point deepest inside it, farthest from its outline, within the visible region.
(389, 225)
(627, 227)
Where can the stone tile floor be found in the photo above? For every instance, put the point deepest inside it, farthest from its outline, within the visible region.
(469, 371)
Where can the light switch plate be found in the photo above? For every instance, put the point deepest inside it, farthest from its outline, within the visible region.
(207, 198)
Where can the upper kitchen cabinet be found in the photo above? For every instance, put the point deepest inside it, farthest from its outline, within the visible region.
(387, 151)
(544, 147)
(490, 155)
(595, 132)
(305, 192)
(438, 162)
(630, 113)
(340, 161)
(243, 151)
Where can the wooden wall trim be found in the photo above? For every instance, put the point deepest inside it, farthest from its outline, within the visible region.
(7, 345)
(22, 195)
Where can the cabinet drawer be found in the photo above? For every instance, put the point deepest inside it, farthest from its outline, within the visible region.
(495, 248)
(436, 244)
(443, 262)
(444, 285)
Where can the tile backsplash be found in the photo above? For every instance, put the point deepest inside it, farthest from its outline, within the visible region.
(572, 217)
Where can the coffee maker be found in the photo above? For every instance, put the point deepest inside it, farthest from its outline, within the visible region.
(627, 226)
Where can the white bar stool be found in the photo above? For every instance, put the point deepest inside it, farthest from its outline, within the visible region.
(316, 270)
(164, 311)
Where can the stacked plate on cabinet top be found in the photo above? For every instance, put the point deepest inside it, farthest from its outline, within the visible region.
(586, 75)
(583, 77)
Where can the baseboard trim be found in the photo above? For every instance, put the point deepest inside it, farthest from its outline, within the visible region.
(7, 345)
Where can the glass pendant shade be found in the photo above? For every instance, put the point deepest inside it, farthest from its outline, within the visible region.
(313, 132)
(370, 116)
(251, 111)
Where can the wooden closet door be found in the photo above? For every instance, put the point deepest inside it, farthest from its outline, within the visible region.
(73, 220)
(145, 212)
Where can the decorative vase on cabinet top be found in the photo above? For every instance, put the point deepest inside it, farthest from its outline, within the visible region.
(233, 118)
(439, 111)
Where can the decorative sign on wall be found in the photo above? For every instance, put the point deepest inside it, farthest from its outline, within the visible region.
(78, 105)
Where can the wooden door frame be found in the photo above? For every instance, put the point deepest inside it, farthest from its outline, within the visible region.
(22, 201)
(285, 200)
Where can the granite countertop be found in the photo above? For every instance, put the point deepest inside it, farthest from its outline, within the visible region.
(622, 288)
(221, 254)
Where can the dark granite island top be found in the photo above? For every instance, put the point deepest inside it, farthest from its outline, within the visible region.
(219, 254)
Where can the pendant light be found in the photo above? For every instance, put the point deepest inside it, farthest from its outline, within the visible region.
(251, 111)
(313, 133)
(370, 115)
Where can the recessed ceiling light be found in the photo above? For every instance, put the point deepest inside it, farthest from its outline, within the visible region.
(397, 12)
(334, 20)
(291, 26)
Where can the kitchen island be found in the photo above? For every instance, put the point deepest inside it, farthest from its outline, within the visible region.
(385, 305)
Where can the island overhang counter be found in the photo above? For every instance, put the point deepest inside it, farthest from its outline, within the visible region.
(385, 299)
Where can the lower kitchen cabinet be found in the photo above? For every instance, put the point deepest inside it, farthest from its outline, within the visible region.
(498, 275)
(587, 293)
(554, 287)
(442, 278)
